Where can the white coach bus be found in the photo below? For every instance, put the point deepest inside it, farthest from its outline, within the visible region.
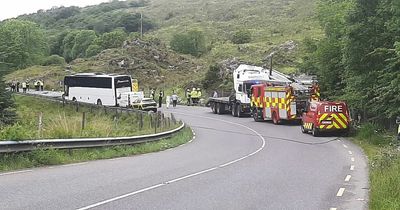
(100, 89)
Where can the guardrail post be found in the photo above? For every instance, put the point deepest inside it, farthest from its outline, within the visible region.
(40, 124)
(83, 120)
(77, 107)
(173, 119)
(156, 123)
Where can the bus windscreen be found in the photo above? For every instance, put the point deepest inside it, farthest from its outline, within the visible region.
(121, 82)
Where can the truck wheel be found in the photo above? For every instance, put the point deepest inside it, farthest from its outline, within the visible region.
(315, 131)
(220, 108)
(213, 108)
(238, 111)
(233, 110)
(275, 119)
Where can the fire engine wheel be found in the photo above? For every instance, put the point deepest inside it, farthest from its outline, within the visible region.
(275, 119)
(256, 115)
(233, 109)
(303, 130)
(315, 131)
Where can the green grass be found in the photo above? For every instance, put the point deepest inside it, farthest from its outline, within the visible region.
(384, 162)
(66, 122)
(17, 161)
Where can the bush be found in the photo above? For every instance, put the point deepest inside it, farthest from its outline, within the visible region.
(14, 133)
(54, 60)
(192, 43)
(93, 50)
(241, 37)
(370, 132)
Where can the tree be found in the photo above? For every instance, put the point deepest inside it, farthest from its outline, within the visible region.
(22, 43)
(192, 42)
(113, 39)
(93, 50)
(241, 37)
(68, 44)
(83, 40)
(7, 112)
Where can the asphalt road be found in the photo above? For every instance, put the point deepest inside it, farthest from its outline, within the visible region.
(233, 163)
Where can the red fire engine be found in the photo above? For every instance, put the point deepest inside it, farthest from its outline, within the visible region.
(278, 103)
(323, 116)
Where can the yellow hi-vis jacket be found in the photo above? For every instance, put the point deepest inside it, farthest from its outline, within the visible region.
(194, 94)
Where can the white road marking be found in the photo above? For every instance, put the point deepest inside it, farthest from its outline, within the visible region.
(75, 164)
(348, 177)
(333, 209)
(352, 159)
(15, 172)
(339, 140)
(189, 175)
(352, 168)
(350, 152)
(340, 192)
(120, 197)
(345, 146)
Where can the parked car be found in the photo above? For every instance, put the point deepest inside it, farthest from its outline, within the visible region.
(145, 104)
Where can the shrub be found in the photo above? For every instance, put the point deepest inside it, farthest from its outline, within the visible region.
(192, 43)
(54, 60)
(241, 37)
(93, 50)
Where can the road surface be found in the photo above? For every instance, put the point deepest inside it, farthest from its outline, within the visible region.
(233, 163)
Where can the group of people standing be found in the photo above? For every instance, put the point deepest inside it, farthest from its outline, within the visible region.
(173, 98)
(193, 96)
(16, 85)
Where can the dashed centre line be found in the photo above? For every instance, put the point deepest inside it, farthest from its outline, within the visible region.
(352, 168)
(345, 146)
(350, 152)
(348, 177)
(352, 159)
(340, 192)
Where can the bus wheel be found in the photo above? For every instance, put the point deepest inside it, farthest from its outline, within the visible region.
(99, 102)
(74, 99)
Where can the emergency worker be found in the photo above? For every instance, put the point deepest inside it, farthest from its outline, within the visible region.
(24, 87)
(194, 95)
(37, 85)
(160, 97)
(398, 129)
(188, 96)
(27, 85)
(41, 85)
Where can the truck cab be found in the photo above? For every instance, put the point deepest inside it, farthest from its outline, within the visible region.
(324, 116)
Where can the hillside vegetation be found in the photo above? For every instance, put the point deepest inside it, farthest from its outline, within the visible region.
(248, 30)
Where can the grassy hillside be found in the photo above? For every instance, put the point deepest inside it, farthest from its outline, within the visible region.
(272, 23)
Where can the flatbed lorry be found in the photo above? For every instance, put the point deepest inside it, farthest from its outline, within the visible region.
(244, 77)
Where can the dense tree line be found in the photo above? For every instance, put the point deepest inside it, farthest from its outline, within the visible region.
(359, 58)
(69, 32)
